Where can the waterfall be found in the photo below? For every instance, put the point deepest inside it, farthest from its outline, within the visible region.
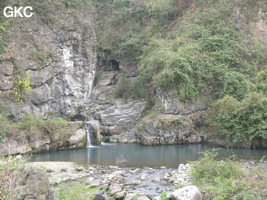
(88, 141)
(88, 132)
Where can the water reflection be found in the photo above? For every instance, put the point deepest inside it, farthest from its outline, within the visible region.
(134, 155)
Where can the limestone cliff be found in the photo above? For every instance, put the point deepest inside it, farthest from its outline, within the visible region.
(59, 57)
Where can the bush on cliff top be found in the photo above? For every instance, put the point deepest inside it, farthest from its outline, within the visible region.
(54, 127)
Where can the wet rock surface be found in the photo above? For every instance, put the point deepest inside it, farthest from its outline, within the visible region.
(117, 117)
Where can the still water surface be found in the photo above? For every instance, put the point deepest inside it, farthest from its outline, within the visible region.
(135, 155)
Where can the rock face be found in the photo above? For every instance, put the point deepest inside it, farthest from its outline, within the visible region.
(252, 20)
(117, 117)
(173, 122)
(59, 59)
(32, 183)
(187, 193)
(71, 136)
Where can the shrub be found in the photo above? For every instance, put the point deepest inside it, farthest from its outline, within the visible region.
(22, 86)
(208, 169)
(239, 122)
(227, 179)
(205, 54)
(52, 127)
(11, 162)
(123, 88)
(97, 77)
(125, 27)
(7, 166)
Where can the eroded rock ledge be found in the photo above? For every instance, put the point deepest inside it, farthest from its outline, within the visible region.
(70, 136)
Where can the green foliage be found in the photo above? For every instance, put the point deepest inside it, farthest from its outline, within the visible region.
(74, 190)
(41, 167)
(163, 196)
(227, 179)
(41, 57)
(2, 47)
(125, 27)
(206, 54)
(97, 77)
(208, 169)
(22, 86)
(11, 162)
(7, 166)
(71, 3)
(4, 23)
(43, 9)
(54, 126)
(46, 9)
(4, 114)
(123, 88)
(242, 122)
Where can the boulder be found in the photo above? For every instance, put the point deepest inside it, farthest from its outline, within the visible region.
(170, 129)
(113, 188)
(156, 179)
(98, 197)
(187, 193)
(119, 195)
(78, 137)
(89, 180)
(143, 177)
(32, 183)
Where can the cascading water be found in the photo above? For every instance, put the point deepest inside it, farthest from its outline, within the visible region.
(87, 128)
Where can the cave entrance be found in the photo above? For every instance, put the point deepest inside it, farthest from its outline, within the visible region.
(115, 65)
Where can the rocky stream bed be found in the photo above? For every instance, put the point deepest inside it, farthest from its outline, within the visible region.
(113, 182)
(119, 182)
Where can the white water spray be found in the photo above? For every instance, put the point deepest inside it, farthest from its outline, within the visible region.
(88, 132)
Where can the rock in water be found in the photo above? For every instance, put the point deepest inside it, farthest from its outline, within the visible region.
(32, 183)
(187, 193)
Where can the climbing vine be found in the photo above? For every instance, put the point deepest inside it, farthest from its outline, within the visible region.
(22, 85)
